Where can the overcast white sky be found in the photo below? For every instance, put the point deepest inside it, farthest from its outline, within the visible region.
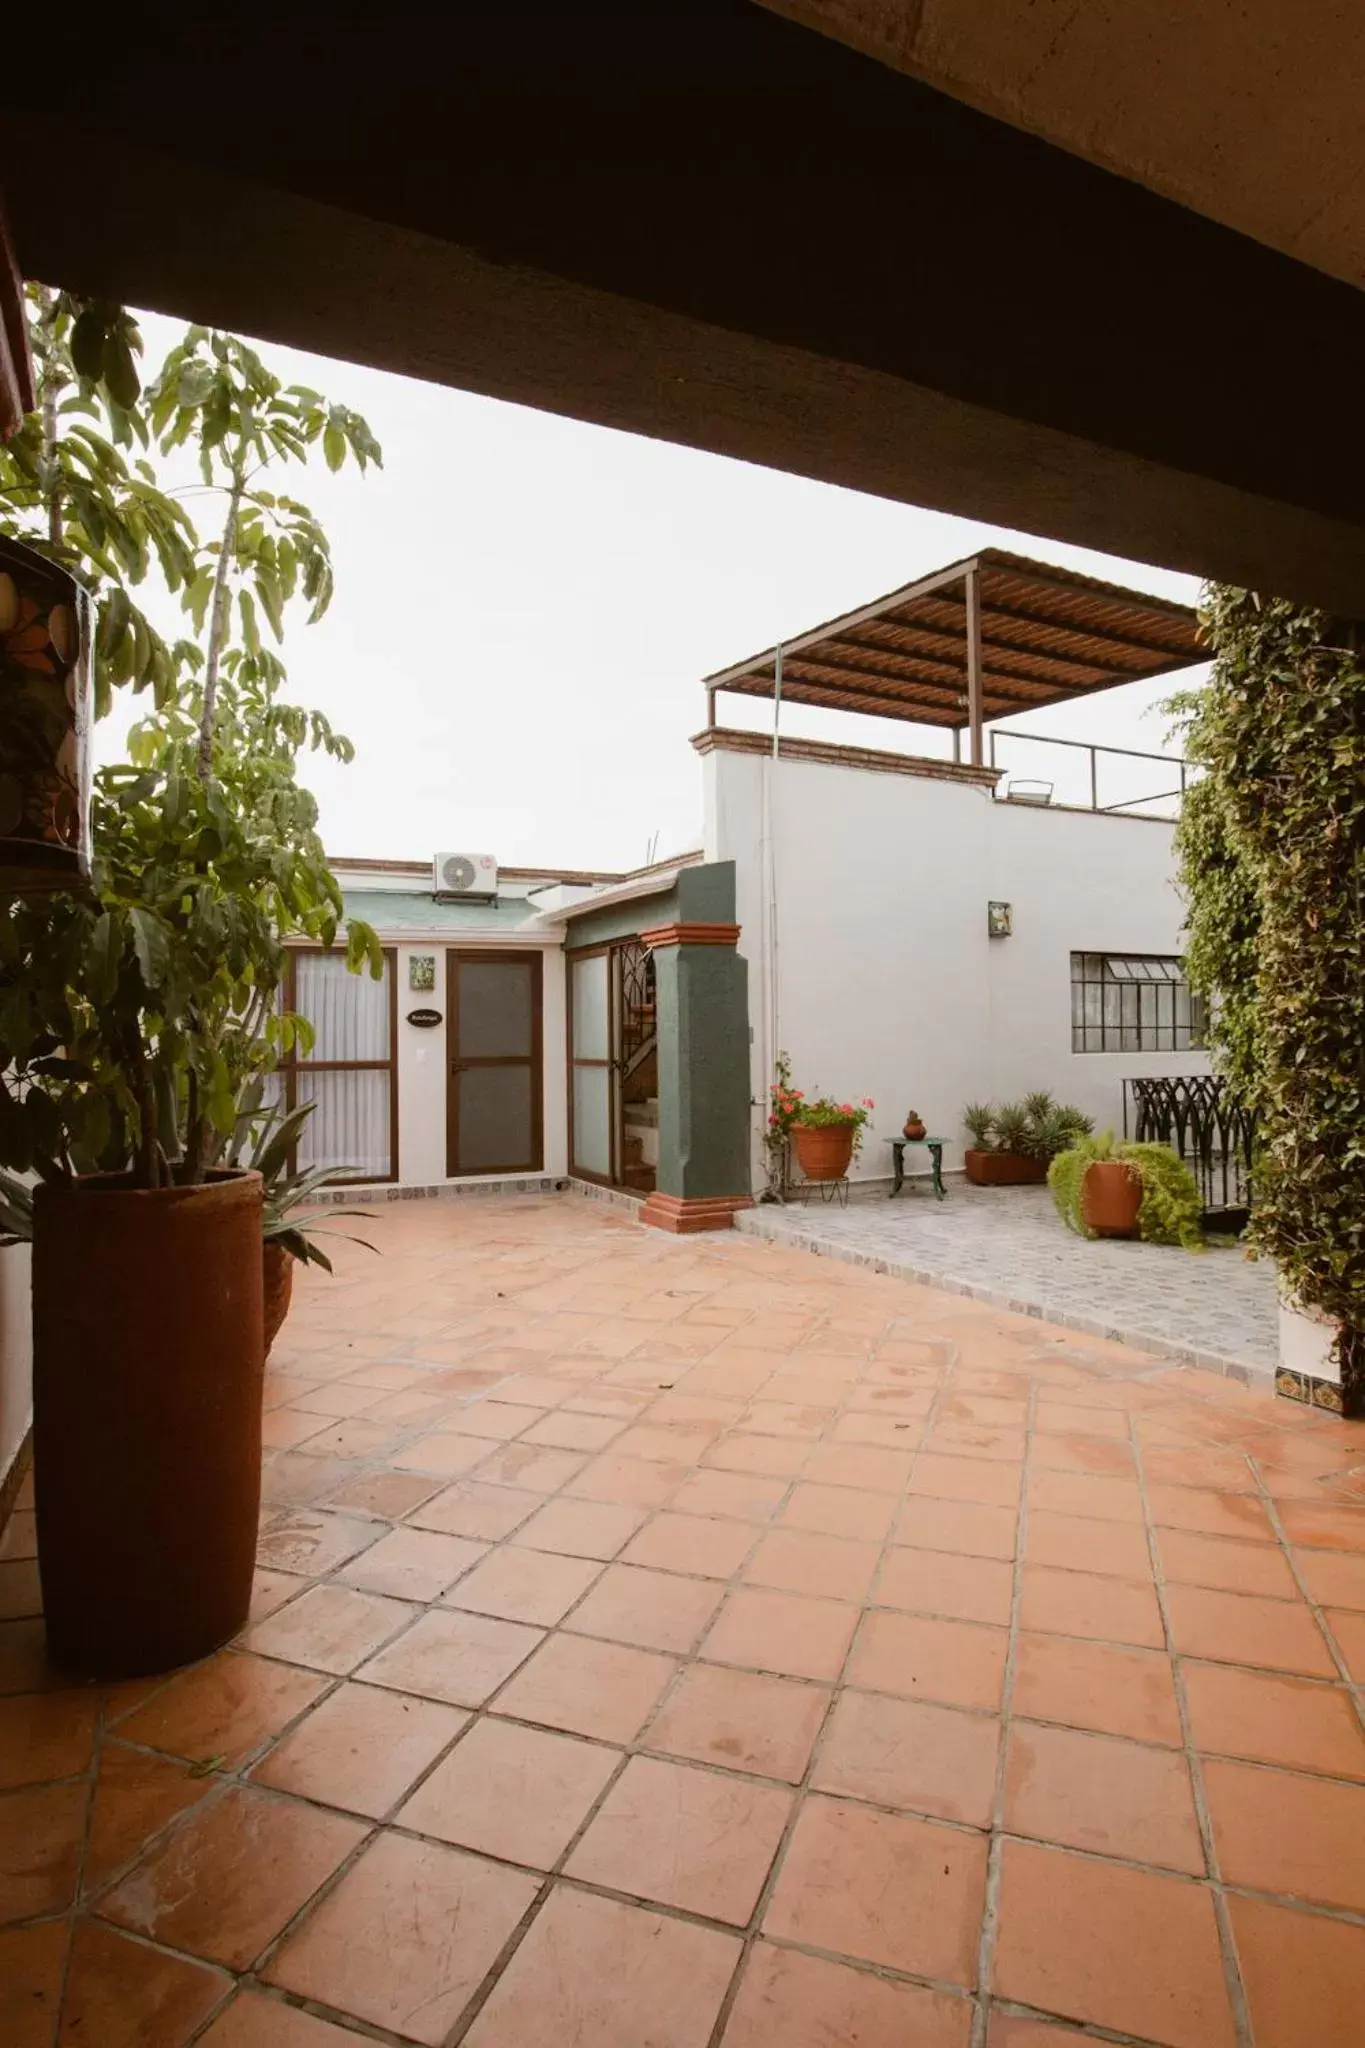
(525, 606)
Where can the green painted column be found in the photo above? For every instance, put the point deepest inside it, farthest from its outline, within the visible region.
(701, 985)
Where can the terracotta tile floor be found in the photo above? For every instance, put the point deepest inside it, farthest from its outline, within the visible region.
(697, 1644)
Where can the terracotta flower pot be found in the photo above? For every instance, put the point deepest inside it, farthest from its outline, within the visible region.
(277, 1274)
(1111, 1196)
(1003, 1169)
(823, 1150)
(913, 1128)
(147, 1417)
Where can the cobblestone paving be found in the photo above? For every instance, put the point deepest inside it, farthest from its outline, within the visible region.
(1006, 1246)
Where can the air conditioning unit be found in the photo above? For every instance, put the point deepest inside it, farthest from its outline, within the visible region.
(465, 875)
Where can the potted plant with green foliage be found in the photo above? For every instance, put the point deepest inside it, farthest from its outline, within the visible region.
(825, 1135)
(1099, 1183)
(129, 1016)
(1013, 1142)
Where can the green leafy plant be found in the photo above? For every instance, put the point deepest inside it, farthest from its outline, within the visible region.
(77, 484)
(1273, 866)
(1170, 1194)
(1036, 1128)
(979, 1119)
(267, 1140)
(132, 1017)
(1013, 1127)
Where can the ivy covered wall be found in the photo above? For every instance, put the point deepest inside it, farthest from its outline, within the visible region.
(1272, 844)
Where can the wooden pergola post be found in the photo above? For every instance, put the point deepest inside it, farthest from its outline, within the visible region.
(974, 717)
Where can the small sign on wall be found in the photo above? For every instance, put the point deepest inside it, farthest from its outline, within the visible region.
(1000, 919)
(422, 973)
(425, 1020)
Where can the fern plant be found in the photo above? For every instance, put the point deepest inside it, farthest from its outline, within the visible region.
(1170, 1194)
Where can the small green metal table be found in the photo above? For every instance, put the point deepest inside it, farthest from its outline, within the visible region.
(933, 1146)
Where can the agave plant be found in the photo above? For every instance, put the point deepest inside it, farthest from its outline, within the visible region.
(1038, 1127)
(1013, 1127)
(979, 1120)
(16, 1211)
(266, 1139)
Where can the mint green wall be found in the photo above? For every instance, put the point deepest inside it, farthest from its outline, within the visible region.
(703, 1023)
(702, 895)
(703, 1070)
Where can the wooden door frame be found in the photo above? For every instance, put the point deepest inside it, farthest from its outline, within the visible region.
(535, 1060)
(292, 1066)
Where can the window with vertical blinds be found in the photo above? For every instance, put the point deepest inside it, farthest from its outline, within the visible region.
(350, 1071)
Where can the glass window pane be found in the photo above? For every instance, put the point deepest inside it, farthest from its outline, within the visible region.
(350, 1126)
(496, 1122)
(348, 1012)
(592, 1119)
(497, 1008)
(590, 1037)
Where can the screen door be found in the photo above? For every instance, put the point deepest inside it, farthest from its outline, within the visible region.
(494, 1093)
(591, 1073)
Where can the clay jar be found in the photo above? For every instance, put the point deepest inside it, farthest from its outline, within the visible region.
(823, 1150)
(277, 1275)
(1111, 1196)
(147, 1369)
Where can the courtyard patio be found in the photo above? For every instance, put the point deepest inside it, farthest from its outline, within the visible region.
(689, 1643)
(1008, 1247)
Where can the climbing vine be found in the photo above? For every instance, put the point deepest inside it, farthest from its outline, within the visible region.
(1272, 847)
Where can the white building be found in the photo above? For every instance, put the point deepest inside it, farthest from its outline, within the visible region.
(921, 930)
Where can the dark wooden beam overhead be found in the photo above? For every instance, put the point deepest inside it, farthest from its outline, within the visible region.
(701, 221)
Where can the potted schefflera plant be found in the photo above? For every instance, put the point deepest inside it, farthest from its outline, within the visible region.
(130, 1015)
(120, 1015)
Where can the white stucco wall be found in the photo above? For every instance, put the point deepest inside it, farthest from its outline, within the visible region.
(16, 1353)
(888, 984)
(423, 1059)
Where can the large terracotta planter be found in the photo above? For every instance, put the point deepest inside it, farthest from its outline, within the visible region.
(1111, 1196)
(1003, 1169)
(277, 1275)
(148, 1359)
(823, 1150)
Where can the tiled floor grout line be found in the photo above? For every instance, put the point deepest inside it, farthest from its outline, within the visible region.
(1232, 1968)
(990, 1917)
(488, 1984)
(92, 1774)
(576, 1387)
(637, 1746)
(1356, 1693)
(802, 1789)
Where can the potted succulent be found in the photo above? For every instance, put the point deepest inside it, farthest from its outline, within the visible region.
(1014, 1142)
(1104, 1187)
(267, 1140)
